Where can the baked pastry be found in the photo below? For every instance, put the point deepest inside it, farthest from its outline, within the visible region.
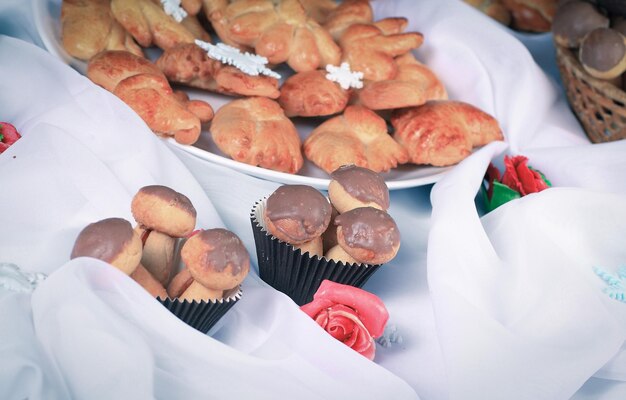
(256, 131)
(179, 283)
(112, 240)
(163, 215)
(531, 15)
(319, 10)
(310, 94)
(414, 84)
(88, 27)
(146, 21)
(281, 31)
(192, 7)
(443, 133)
(217, 260)
(190, 65)
(143, 87)
(297, 214)
(358, 136)
(365, 235)
(349, 12)
(352, 187)
(573, 20)
(372, 48)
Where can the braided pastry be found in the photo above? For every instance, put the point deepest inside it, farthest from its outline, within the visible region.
(413, 85)
(190, 65)
(149, 24)
(88, 27)
(281, 31)
(371, 48)
(142, 86)
(358, 136)
(256, 131)
(348, 13)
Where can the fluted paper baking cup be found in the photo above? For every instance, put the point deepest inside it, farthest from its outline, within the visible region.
(202, 315)
(299, 275)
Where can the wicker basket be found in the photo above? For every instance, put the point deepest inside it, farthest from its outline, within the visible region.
(600, 106)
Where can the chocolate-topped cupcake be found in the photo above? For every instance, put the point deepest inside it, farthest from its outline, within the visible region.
(352, 187)
(288, 228)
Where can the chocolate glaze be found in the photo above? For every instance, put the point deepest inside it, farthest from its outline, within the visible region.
(369, 228)
(574, 20)
(103, 240)
(363, 184)
(301, 203)
(602, 49)
(170, 196)
(227, 249)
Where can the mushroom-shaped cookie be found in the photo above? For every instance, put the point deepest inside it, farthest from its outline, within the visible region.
(112, 240)
(353, 187)
(298, 215)
(573, 20)
(603, 53)
(217, 260)
(163, 215)
(310, 94)
(365, 235)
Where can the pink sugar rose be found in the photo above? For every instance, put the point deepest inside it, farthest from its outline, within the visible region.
(519, 177)
(349, 314)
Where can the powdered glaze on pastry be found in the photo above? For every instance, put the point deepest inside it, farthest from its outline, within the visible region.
(369, 235)
(364, 185)
(297, 213)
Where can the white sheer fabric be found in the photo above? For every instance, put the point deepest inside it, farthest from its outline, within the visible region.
(503, 306)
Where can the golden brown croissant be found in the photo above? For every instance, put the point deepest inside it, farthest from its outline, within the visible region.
(88, 27)
(371, 48)
(413, 85)
(280, 31)
(310, 94)
(358, 136)
(191, 6)
(149, 24)
(142, 86)
(443, 132)
(190, 65)
(256, 131)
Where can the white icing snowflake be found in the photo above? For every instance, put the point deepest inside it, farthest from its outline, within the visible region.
(14, 279)
(390, 336)
(250, 64)
(344, 76)
(174, 10)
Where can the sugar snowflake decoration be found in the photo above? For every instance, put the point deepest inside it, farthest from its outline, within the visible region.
(345, 77)
(14, 279)
(248, 63)
(174, 10)
(615, 284)
(390, 336)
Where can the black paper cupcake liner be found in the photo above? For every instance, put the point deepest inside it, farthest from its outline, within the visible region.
(202, 315)
(299, 275)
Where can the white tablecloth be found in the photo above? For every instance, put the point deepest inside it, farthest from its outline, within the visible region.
(504, 306)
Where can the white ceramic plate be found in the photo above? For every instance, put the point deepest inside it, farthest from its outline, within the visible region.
(47, 19)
